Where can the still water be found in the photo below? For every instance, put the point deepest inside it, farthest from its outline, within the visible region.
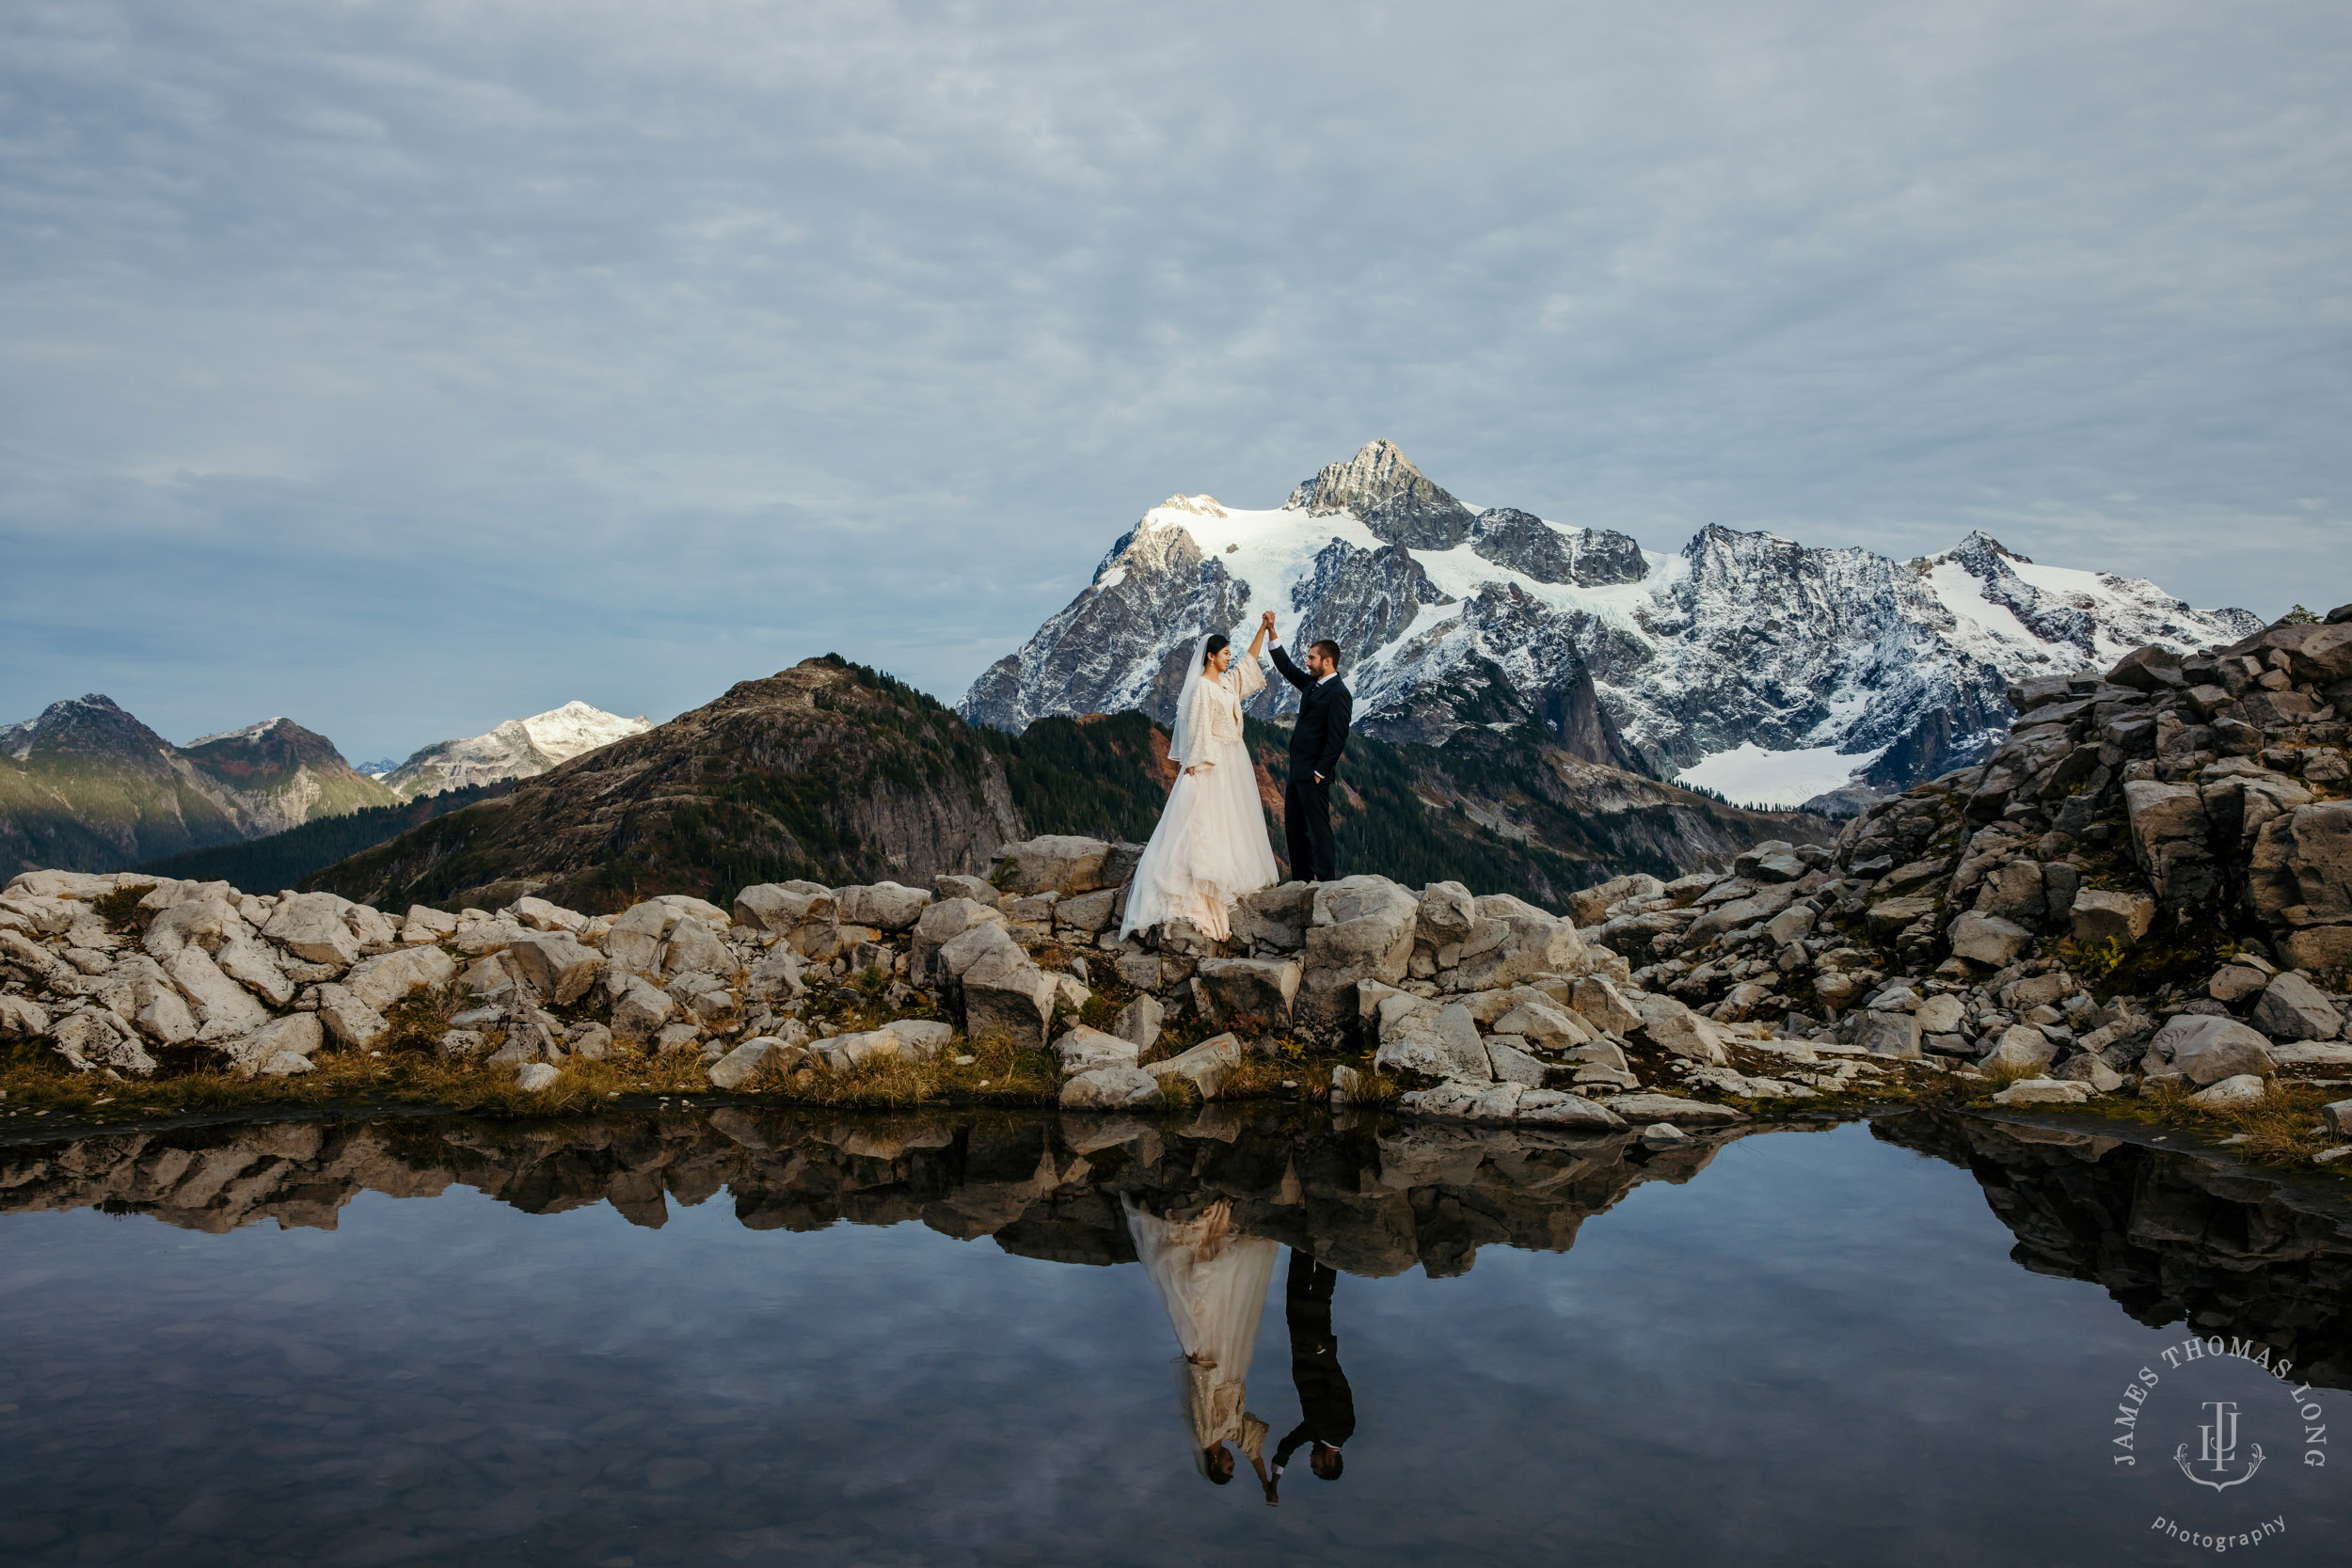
(711, 1338)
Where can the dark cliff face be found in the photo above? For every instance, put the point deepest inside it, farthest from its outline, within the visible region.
(825, 770)
(1590, 558)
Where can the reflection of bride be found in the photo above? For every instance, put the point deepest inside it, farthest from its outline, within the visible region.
(1210, 846)
(1213, 1280)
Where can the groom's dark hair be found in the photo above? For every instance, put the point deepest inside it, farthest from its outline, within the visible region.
(1329, 650)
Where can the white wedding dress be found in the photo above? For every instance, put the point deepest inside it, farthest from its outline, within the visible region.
(1213, 1281)
(1211, 845)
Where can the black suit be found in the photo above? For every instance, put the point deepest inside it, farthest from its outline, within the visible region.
(1325, 1403)
(1316, 741)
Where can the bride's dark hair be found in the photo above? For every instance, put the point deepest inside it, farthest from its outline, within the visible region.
(1217, 642)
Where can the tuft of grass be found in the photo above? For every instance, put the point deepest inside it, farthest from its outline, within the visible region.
(120, 909)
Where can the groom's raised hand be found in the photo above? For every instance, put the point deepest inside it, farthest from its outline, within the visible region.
(1267, 621)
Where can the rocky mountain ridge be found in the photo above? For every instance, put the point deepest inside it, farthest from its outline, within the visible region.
(1800, 665)
(829, 772)
(86, 786)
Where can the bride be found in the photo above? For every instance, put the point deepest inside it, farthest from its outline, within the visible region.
(1211, 845)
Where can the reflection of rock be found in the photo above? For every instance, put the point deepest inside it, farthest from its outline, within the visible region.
(2172, 1236)
(1040, 1186)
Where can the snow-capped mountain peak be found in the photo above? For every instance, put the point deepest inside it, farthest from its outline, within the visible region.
(1746, 662)
(516, 748)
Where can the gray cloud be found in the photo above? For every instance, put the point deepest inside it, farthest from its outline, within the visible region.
(407, 367)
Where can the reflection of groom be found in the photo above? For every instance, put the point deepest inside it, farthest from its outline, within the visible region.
(1326, 1404)
(1317, 739)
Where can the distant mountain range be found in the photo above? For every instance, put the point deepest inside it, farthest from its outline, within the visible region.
(86, 786)
(832, 772)
(1744, 662)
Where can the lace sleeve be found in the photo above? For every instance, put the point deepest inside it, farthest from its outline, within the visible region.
(1246, 678)
(1198, 749)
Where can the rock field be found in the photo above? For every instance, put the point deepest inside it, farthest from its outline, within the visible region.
(2185, 822)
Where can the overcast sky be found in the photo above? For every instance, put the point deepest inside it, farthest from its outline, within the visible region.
(406, 366)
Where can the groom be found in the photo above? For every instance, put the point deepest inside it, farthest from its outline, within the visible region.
(1316, 742)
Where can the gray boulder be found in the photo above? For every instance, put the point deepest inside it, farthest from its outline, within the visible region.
(310, 925)
(1257, 988)
(1007, 998)
(535, 1077)
(1988, 940)
(1055, 862)
(941, 924)
(885, 906)
(1139, 1022)
(2170, 831)
(2235, 1091)
(1512, 940)
(2020, 1047)
(1111, 1088)
(1675, 1029)
(1600, 1004)
(695, 949)
(641, 1012)
(1891, 1034)
(740, 1066)
(555, 964)
(2103, 915)
(224, 1009)
(2291, 1009)
(2206, 1050)
(1082, 1050)
(22, 1018)
(94, 1038)
(385, 979)
(1512, 1065)
(1362, 930)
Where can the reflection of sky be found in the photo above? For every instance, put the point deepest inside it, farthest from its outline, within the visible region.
(1817, 1351)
